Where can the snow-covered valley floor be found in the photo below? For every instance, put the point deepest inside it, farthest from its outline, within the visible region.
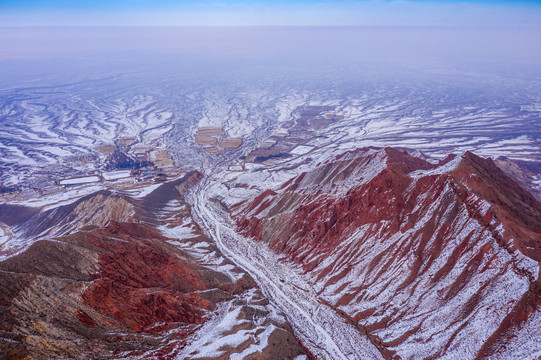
(322, 330)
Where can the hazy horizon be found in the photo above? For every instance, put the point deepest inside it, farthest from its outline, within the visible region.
(313, 46)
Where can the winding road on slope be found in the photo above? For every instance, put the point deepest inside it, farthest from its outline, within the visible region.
(324, 332)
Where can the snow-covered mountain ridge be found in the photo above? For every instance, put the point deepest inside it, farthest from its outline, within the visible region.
(430, 260)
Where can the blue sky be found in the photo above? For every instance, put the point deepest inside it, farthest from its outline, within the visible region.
(270, 12)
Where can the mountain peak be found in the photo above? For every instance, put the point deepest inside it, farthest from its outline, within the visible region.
(394, 242)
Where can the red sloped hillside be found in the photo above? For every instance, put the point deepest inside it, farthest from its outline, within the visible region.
(431, 261)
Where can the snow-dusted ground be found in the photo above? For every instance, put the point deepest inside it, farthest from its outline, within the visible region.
(5, 234)
(65, 197)
(115, 175)
(81, 180)
(320, 328)
(139, 193)
(525, 343)
(60, 128)
(186, 236)
(228, 329)
(218, 334)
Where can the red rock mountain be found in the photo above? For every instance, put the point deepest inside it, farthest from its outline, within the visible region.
(432, 261)
(107, 289)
